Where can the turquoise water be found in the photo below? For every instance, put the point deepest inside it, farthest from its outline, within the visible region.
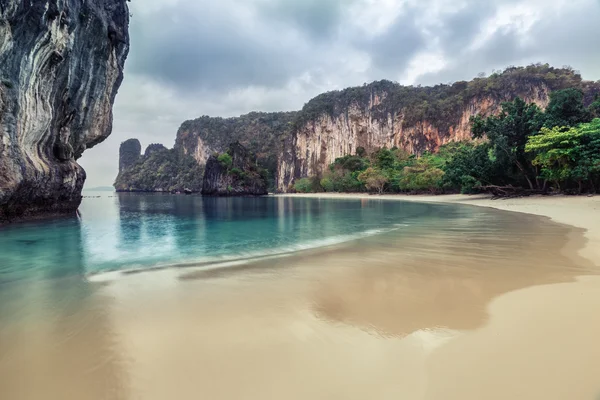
(131, 231)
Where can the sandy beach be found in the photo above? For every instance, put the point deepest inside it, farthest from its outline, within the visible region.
(484, 304)
(537, 338)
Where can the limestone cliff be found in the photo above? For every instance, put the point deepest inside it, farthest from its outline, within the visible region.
(129, 154)
(416, 119)
(234, 173)
(262, 134)
(158, 170)
(61, 63)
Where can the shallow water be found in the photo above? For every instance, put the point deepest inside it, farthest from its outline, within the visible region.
(279, 297)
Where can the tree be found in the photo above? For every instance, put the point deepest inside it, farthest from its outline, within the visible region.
(594, 109)
(508, 134)
(566, 108)
(384, 158)
(373, 179)
(469, 167)
(328, 184)
(421, 178)
(568, 155)
(225, 160)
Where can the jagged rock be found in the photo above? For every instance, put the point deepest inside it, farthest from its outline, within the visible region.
(234, 173)
(61, 63)
(158, 170)
(129, 154)
(154, 148)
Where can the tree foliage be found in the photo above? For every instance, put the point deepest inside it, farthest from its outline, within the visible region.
(373, 179)
(569, 156)
(566, 108)
(508, 133)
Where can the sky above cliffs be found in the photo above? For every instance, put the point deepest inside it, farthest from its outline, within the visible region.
(225, 58)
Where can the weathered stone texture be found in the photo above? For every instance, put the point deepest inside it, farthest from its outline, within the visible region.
(61, 63)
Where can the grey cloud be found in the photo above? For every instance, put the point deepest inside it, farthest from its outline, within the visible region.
(574, 40)
(570, 38)
(458, 29)
(195, 51)
(319, 18)
(392, 50)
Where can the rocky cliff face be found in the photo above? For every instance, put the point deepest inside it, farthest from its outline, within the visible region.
(262, 134)
(129, 154)
(233, 173)
(417, 119)
(158, 170)
(61, 63)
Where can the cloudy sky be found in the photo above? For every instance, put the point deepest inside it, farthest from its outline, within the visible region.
(228, 57)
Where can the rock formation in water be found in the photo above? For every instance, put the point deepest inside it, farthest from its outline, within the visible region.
(129, 154)
(158, 170)
(61, 63)
(234, 173)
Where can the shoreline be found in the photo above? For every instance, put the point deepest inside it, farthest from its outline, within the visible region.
(540, 342)
(582, 212)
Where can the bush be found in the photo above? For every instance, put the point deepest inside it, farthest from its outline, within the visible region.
(225, 160)
(308, 185)
(327, 185)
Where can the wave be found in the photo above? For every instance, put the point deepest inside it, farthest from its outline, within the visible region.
(244, 258)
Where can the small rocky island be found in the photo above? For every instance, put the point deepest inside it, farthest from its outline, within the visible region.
(158, 170)
(234, 172)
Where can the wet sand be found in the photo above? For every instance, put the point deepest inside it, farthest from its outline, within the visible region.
(540, 342)
(496, 305)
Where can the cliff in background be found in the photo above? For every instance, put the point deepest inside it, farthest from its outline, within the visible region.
(292, 145)
(234, 173)
(158, 170)
(61, 65)
(262, 134)
(416, 119)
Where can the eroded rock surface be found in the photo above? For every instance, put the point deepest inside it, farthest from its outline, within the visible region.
(61, 64)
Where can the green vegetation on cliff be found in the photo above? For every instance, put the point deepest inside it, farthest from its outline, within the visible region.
(262, 134)
(523, 146)
(234, 173)
(442, 105)
(272, 138)
(161, 169)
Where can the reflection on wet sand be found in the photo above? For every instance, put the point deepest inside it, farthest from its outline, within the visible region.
(54, 353)
(56, 336)
(359, 321)
(385, 317)
(397, 284)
